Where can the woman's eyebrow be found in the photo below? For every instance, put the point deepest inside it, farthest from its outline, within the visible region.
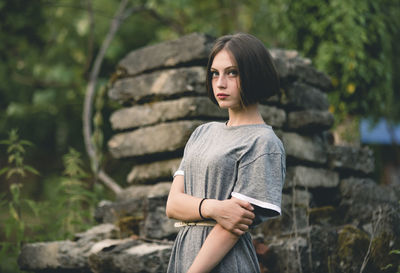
(226, 68)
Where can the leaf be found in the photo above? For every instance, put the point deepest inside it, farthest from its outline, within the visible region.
(31, 169)
(26, 142)
(395, 251)
(33, 206)
(13, 213)
(15, 171)
(386, 267)
(5, 169)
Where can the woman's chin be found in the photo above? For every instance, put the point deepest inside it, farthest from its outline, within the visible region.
(224, 104)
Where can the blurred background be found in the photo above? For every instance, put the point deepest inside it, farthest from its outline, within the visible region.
(47, 51)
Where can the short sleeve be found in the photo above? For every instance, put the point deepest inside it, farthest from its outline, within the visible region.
(260, 183)
(180, 170)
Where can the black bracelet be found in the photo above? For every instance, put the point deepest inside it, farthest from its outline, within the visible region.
(201, 202)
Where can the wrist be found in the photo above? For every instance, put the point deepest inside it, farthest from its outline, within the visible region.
(208, 207)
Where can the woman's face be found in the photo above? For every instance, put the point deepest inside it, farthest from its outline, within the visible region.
(225, 81)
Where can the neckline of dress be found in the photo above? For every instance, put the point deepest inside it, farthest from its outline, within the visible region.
(226, 127)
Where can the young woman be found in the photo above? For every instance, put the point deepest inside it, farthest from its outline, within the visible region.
(231, 175)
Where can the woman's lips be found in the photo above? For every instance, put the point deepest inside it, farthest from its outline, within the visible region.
(222, 95)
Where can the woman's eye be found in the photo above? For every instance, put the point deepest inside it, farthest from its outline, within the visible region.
(214, 74)
(233, 73)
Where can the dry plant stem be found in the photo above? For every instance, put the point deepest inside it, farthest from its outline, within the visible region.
(309, 236)
(366, 257)
(121, 14)
(295, 227)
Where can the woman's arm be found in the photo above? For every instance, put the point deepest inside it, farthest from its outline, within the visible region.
(233, 214)
(217, 244)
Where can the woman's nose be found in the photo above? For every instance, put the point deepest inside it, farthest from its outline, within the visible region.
(221, 82)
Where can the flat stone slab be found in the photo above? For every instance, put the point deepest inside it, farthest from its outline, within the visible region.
(161, 138)
(291, 66)
(144, 191)
(65, 256)
(301, 96)
(310, 120)
(304, 148)
(160, 85)
(311, 177)
(132, 257)
(141, 207)
(155, 171)
(158, 112)
(350, 158)
(272, 115)
(191, 48)
(183, 108)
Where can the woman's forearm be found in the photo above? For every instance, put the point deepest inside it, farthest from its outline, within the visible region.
(182, 206)
(217, 244)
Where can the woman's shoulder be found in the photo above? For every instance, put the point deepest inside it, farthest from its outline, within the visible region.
(266, 141)
(207, 126)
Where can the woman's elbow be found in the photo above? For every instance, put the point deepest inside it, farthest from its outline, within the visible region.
(168, 210)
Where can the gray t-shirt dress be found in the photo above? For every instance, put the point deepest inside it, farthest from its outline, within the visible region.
(246, 162)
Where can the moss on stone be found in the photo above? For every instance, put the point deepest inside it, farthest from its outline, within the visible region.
(129, 225)
(352, 248)
(322, 215)
(381, 246)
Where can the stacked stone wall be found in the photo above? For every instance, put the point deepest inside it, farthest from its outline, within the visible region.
(335, 218)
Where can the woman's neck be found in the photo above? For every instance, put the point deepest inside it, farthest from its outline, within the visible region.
(243, 116)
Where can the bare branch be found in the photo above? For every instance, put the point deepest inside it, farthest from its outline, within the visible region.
(167, 21)
(109, 182)
(89, 97)
(91, 36)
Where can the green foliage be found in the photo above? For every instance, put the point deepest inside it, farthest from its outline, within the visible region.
(16, 152)
(351, 41)
(76, 200)
(72, 206)
(14, 226)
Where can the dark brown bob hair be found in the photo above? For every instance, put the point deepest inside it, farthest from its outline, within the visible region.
(259, 79)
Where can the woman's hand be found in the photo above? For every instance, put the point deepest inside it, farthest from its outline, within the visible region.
(233, 214)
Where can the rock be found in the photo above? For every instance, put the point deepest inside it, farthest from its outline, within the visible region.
(193, 48)
(305, 97)
(324, 216)
(157, 225)
(144, 191)
(157, 112)
(128, 215)
(272, 115)
(310, 120)
(284, 255)
(156, 171)
(65, 256)
(140, 210)
(352, 159)
(159, 139)
(160, 85)
(385, 236)
(302, 148)
(97, 233)
(311, 177)
(352, 248)
(310, 75)
(291, 216)
(301, 198)
(291, 66)
(131, 257)
(362, 196)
